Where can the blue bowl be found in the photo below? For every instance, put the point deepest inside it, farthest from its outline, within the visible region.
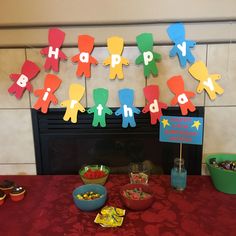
(90, 205)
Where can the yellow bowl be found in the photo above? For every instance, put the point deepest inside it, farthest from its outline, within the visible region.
(101, 180)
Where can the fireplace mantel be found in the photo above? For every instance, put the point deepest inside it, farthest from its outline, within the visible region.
(63, 147)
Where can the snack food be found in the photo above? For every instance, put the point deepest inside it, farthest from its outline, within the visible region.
(94, 173)
(226, 165)
(138, 178)
(136, 194)
(110, 217)
(89, 196)
(6, 186)
(17, 193)
(2, 197)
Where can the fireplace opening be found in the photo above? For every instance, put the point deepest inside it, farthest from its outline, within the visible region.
(63, 148)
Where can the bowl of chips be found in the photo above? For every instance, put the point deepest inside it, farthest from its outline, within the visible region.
(136, 196)
(222, 168)
(94, 174)
(89, 197)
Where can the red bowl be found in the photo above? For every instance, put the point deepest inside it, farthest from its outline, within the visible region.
(137, 204)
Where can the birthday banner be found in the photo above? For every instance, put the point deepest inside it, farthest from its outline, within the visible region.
(148, 59)
(179, 129)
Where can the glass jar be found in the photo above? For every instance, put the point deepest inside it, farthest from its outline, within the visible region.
(178, 175)
(138, 173)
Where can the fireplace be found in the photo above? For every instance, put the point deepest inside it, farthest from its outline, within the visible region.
(63, 148)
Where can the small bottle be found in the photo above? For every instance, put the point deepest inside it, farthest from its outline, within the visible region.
(178, 175)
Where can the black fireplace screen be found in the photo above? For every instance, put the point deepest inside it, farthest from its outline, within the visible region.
(63, 148)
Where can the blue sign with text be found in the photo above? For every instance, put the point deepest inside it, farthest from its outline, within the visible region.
(179, 129)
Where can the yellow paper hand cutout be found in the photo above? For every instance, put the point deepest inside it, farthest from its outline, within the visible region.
(115, 47)
(73, 105)
(208, 82)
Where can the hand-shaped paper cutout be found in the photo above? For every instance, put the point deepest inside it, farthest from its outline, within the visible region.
(182, 46)
(127, 109)
(208, 82)
(182, 97)
(53, 52)
(115, 47)
(99, 110)
(148, 57)
(22, 81)
(46, 95)
(84, 59)
(73, 105)
(153, 106)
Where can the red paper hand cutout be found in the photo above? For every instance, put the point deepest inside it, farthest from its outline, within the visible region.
(153, 106)
(22, 81)
(46, 96)
(182, 97)
(53, 52)
(84, 59)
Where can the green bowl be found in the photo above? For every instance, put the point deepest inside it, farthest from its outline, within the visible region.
(101, 180)
(223, 180)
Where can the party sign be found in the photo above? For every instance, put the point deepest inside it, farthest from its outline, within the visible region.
(179, 129)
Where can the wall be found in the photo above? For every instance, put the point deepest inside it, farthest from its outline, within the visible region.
(24, 32)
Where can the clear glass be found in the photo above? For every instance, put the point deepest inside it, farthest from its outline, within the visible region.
(138, 173)
(178, 175)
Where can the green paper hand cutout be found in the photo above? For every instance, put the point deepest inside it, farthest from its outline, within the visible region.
(148, 57)
(99, 110)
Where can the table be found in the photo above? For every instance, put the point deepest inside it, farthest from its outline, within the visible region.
(48, 209)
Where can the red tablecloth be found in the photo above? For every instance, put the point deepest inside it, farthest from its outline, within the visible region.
(48, 209)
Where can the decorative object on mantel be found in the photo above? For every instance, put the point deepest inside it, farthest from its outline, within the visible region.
(182, 97)
(148, 57)
(46, 95)
(127, 109)
(115, 46)
(223, 177)
(182, 46)
(84, 58)
(99, 110)
(22, 81)
(52, 52)
(178, 129)
(152, 94)
(208, 82)
(73, 105)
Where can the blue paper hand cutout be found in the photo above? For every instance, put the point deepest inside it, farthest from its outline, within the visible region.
(182, 46)
(127, 109)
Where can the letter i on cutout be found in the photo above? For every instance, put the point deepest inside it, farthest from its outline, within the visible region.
(115, 47)
(52, 52)
(208, 82)
(127, 108)
(152, 93)
(22, 81)
(46, 95)
(182, 97)
(73, 105)
(99, 110)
